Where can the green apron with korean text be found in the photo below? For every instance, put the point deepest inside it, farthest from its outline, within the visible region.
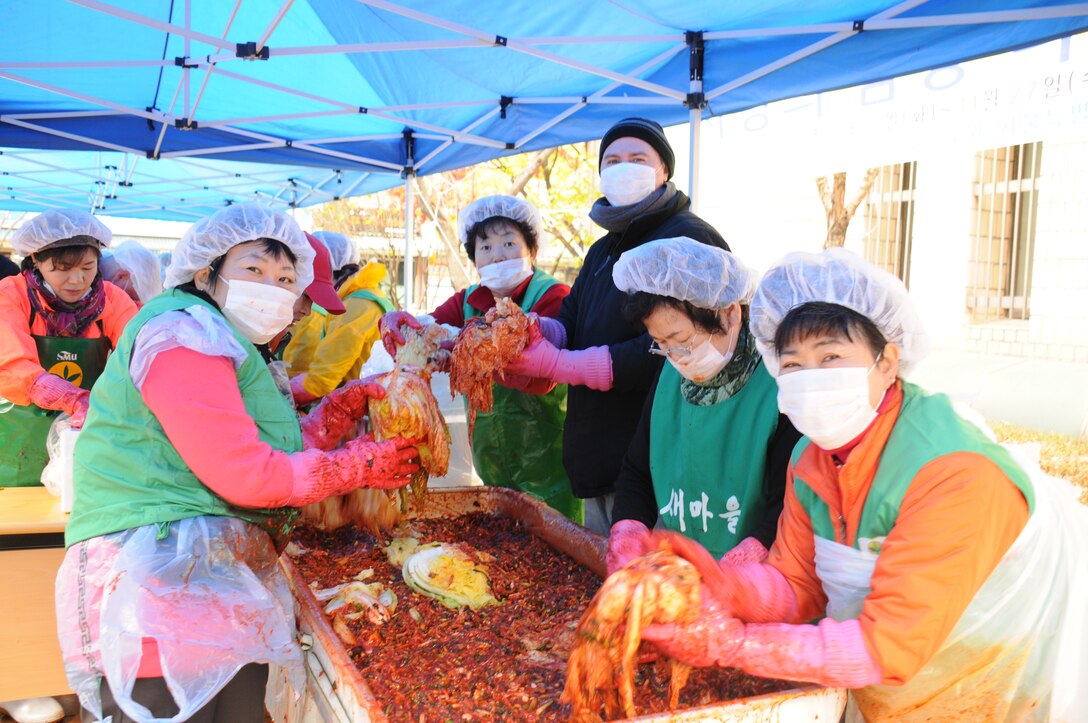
(23, 429)
(519, 443)
(707, 463)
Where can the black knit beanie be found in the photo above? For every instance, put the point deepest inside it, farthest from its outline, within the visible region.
(643, 129)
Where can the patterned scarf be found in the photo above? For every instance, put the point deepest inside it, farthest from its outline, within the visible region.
(618, 218)
(729, 380)
(62, 318)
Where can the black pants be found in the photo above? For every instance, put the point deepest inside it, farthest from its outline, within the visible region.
(240, 701)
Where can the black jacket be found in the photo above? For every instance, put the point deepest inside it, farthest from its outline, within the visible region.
(635, 498)
(600, 425)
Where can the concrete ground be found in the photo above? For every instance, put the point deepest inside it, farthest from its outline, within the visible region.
(1045, 396)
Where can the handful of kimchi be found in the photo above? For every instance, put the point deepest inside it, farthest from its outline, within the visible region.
(409, 410)
(485, 346)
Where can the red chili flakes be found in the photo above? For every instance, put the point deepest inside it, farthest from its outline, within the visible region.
(502, 662)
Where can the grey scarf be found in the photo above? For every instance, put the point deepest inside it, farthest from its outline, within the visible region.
(618, 218)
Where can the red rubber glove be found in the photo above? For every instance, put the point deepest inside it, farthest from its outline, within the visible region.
(389, 327)
(49, 391)
(338, 414)
(749, 551)
(542, 360)
(627, 540)
(359, 463)
(298, 391)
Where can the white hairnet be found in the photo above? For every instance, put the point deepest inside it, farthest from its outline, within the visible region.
(59, 225)
(681, 268)
(342, 250)
(141, 264)
(212, 237)
(837, 276)
(510, 207)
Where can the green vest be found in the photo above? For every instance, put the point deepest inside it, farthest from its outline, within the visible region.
(519, 443)
(927, 428)
(707, 463)
(378, 299)
(126, 472)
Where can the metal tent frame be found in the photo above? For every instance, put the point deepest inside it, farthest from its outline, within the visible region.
(317, 106)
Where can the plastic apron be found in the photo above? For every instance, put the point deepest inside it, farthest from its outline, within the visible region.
(23, 429)
(154, 581)
(519, 443)
(1019, 650)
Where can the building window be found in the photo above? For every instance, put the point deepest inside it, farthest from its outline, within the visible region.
(889, 219)
(1006, 202)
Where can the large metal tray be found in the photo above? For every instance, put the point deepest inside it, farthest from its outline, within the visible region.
(336, 692)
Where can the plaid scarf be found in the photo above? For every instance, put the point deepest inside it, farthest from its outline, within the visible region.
(62, 318)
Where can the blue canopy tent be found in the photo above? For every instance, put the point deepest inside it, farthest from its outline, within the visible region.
(345, 97)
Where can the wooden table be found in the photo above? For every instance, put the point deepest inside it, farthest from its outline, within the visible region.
(31, 550)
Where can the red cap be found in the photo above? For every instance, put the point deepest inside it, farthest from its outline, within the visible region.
(321, 291)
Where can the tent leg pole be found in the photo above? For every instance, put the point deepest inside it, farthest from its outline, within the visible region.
(409, 233)
(695, 123)
(695, 102)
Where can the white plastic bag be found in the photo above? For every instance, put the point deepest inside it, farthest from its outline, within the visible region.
(61, 445)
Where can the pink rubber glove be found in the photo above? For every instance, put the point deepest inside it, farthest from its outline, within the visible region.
(390, 326)
(755, 593)
(750, 550)
(542, 360)
(51, 392)
(338, 414)
(832, 653)
(359, 463)
(627, 540)
(298, 391)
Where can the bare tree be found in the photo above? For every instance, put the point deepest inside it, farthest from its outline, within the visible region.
(837, 210)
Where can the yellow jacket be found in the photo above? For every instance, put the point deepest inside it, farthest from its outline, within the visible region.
(348, 337)
(305, 337)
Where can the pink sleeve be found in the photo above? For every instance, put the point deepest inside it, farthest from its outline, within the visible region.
(197, 401)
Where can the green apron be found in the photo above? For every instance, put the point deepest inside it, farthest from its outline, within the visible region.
(519, 443)
(23, 430)
(707, 463)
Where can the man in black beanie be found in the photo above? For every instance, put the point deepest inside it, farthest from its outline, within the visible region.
(604, 359)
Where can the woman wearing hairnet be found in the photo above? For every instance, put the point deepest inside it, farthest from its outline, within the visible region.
(343, 254)
(188, 473)
(332, 350)
(519, 444)
(951, 571)
(58, 322)
(134, 269)
(710, 453)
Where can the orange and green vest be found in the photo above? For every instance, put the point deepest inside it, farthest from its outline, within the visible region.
(927, 428)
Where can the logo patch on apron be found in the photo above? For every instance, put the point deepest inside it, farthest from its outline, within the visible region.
(69, 371)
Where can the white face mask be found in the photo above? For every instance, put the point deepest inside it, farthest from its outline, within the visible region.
(626, 183)
(829, 406)
(258, 311)
(703, 363)
(502, 277)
